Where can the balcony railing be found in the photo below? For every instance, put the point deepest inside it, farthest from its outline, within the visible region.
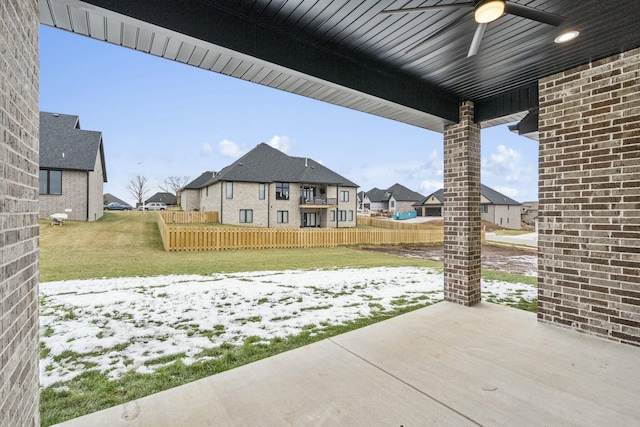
(318, 201)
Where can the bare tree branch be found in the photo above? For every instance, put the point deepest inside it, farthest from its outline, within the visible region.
(174, 184)
(138, 188)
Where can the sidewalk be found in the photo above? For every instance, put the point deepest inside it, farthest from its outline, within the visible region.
(444, 365)
(529, 239)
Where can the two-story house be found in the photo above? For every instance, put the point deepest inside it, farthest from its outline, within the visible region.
(267, 188)
(72, 168)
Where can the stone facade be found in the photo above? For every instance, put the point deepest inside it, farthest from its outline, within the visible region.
(462, 239)
(19, 127)
(589, 223)
(507, 216)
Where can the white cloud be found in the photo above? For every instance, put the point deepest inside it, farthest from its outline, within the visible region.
(428, 186)
(231, 149)
(508, 165)
(508, 191)
(206, 149)
(282, 143)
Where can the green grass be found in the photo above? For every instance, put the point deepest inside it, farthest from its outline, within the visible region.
(92, 391)
(126, 244)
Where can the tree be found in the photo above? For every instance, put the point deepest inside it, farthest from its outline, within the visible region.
(174, 184)
(139, 188)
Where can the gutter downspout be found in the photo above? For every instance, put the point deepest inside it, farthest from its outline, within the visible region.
(337, 203)
(87, 196)
(222, 189)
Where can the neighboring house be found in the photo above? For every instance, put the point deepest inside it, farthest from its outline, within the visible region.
(267, 188)
(529, 212)
(162, 197)
(495, 207)
(110, 198)
(396, 198)
(72, 168)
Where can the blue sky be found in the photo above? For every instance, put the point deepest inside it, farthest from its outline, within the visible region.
(160, 118)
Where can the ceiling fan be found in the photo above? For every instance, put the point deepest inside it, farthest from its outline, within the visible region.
(484, 12)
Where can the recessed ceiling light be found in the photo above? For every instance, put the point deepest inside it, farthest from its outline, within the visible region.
(566, 36)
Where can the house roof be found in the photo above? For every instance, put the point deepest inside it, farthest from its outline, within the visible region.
(495, 197)
(438, 195)
(267, 164)
(63, 145)
(399, 192)
(402, 194)
(377, 195)
(110, 198)
(489, 193)
(202, 181)
(166, 198)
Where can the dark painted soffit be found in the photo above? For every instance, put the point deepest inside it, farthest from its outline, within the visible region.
(220, 27)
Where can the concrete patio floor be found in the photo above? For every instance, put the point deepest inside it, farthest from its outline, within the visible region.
(441, 365)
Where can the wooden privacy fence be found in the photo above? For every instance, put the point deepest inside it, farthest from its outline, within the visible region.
(191, 217)
(184, 238)
(395, 225)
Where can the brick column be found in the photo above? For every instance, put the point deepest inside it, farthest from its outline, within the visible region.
(462, 244)
(589, 224)
(19, 382)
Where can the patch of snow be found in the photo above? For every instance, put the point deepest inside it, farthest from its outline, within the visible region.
(123, 324)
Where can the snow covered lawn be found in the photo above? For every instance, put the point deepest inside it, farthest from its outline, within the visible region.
(124, 324)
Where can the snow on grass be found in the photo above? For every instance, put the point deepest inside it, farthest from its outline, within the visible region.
(123, 324)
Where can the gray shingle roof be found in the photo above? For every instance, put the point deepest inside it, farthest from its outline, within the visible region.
(162, 197)
(495, 197)
(489, 193)
(438, 195)
(63, 145)
(377, 195)
(398, 191)
(108, 198)
(403, 194)
(267, 164)
(202, 181)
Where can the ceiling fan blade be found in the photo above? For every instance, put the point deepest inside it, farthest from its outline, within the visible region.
(477, 38)
(447, 27)
(533, 14)
(426, 8)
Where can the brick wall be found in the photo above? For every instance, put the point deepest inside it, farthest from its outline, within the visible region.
(462, 209)
(589, 223)
(19, 213)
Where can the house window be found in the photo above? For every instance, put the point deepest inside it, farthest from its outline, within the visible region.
(261, 191)
(282, 190)
(342, 215)
(246, 215)
(229, 190)
(50, 182)
(485, 208)
(392, 204)
(283, 217)
(207, 191)
(350, 215)
(332, 217)
(344, 196)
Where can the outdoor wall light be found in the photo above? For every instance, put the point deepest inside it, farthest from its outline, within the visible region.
(488, 11)
(567, 36)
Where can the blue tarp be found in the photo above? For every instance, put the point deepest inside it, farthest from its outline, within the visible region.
(405, 215)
